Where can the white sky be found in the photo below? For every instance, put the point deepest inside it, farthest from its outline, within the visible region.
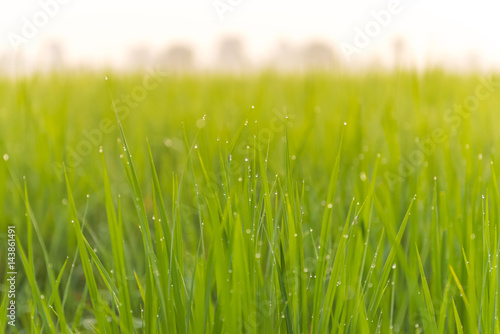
(103, 32)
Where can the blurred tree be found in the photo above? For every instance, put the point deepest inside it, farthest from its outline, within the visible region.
(230, 55)
(399, 50)
(51, 57)
(139, 57)
(284, 58)
(318, 56)
(177, 58)
(6, 63)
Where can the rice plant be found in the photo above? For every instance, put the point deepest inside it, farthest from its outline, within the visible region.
(271, 203)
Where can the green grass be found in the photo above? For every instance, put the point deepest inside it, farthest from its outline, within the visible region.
(266, 203)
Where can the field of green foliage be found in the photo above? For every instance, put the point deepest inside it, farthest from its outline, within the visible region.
(265, 203)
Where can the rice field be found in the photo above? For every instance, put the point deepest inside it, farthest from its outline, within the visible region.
(157, 202)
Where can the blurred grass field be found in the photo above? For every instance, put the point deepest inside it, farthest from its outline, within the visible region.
(313, 203)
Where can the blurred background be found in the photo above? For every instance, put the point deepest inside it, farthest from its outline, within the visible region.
(247, 35)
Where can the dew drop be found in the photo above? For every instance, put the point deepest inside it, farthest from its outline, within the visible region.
(362, 176)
